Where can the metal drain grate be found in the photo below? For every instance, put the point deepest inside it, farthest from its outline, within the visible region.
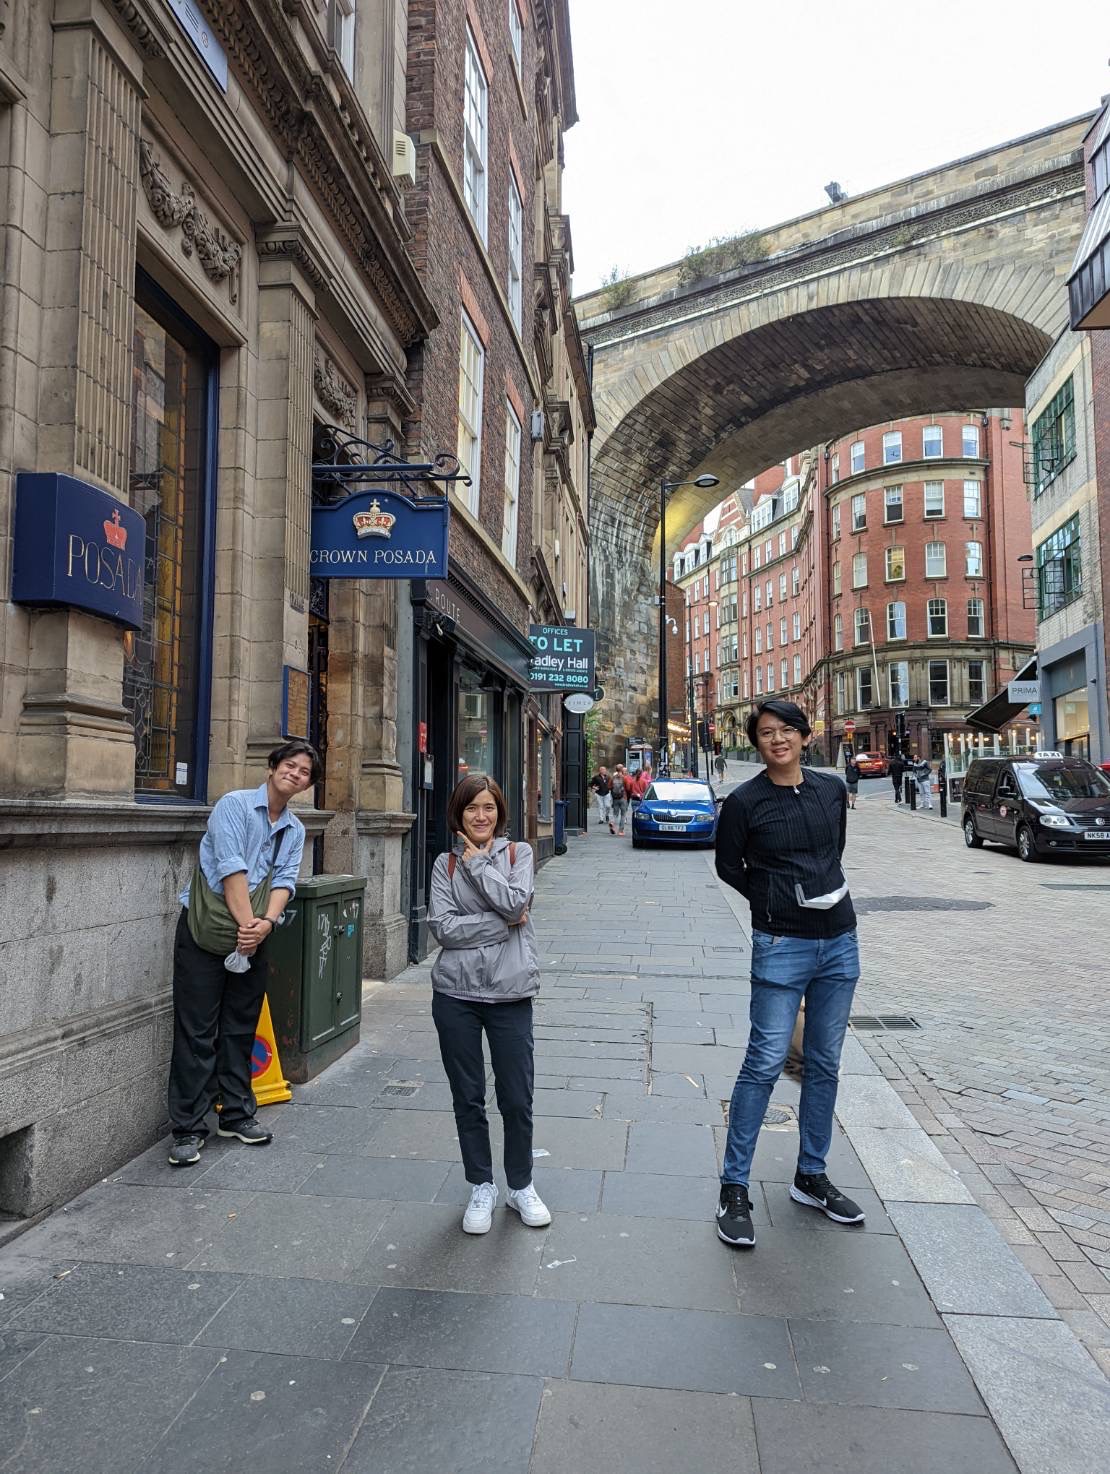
(775, 1118)
(400, 1089)
(871, 1021)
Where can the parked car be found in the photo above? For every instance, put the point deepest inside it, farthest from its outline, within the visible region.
(675, 809)
(873, 764)
(1042, 804)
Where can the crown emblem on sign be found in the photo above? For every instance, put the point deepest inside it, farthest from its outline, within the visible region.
(114, 532)
(373, 522)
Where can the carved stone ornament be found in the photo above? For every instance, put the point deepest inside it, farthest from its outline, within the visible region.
(145, 38)
(333, 391)
(219, 256)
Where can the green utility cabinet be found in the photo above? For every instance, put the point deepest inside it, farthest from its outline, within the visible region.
(315, 979)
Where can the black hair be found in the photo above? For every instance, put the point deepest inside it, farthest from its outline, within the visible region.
(788, 712)
(297, 748)
(466, 791)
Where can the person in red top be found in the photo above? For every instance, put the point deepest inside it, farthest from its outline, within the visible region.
(640, 782)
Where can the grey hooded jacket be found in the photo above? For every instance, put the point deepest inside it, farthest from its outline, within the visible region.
(483, 957)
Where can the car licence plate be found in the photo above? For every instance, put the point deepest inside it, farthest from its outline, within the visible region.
(682, 828)
(1103, 834)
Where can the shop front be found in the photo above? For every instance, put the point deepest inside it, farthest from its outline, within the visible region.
(469, 709)
(1073, 711)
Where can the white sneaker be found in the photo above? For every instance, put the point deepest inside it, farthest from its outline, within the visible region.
(478, 1217)
(531, 1207)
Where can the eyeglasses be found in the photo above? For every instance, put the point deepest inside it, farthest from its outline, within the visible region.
(768, 734)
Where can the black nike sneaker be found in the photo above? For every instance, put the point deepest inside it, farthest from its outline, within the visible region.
(734, 1216)
(817, 1191)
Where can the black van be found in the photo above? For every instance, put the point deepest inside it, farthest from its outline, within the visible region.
(1041, 804)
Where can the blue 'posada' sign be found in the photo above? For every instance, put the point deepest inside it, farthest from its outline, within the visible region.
(380, 534)
(77, 547)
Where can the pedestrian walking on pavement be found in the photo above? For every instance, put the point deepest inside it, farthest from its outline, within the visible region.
(780, 839)
(618, 797)
(641, 781)
(601, 786)
(851, 777)
(246, 874)
(923, 774)
(483, 981)
(720, 765)
(896, 768)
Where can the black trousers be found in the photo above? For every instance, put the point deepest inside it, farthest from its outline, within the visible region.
(508, 1027)
(215, 1014)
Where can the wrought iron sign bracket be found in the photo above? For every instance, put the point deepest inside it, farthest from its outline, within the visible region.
(343, 462)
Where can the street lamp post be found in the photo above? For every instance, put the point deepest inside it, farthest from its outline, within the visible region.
(665, 488)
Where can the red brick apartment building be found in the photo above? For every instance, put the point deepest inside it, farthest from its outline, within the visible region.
(877, 583)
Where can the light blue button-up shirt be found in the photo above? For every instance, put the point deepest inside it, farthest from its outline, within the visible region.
(240, 837)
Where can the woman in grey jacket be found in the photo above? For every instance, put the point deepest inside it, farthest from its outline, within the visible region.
(485, 978)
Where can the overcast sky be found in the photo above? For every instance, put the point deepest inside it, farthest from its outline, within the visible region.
(700, 118)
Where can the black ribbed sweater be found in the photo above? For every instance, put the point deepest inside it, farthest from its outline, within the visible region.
(770, 837)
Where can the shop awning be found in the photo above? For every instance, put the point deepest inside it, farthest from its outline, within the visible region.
(993, 715)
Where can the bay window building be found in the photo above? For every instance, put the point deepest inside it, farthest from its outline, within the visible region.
(1063, 580)
(930, 522)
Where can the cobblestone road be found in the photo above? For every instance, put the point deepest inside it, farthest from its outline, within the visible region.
(1010, 1069)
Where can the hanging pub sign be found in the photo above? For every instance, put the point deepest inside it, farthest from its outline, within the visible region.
(380, 534)
(362, 525)
(77, 547)
(562, 658)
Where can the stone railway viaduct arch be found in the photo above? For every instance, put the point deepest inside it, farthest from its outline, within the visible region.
(942, 291)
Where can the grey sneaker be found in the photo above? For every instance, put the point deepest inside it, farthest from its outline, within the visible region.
(478, 1217)
(250, 1133)
(186, 1150)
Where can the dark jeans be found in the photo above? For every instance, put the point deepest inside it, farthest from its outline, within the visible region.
(823, 971)
(508, 1027)
(215, 1014)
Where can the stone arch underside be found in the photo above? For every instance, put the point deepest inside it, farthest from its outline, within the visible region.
(750, 399)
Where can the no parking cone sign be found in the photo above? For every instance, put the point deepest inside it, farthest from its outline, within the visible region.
(267, 1081)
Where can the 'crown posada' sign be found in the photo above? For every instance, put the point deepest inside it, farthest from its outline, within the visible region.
(380, 534)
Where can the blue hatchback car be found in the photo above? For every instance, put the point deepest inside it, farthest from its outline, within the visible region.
(682, 809)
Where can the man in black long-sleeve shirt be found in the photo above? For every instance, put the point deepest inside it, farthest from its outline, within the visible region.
(779, 843)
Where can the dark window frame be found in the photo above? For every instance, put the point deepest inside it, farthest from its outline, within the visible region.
(173, 317)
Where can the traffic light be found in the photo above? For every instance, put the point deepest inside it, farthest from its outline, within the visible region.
(703, 733)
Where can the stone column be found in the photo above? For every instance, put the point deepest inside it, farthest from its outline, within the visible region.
(276, 621)
(73, 735)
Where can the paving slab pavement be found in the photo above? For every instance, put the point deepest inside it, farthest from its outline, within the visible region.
(314, 1304)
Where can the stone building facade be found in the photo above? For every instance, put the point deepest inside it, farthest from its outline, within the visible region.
(503, 383)
(212, 250)
(1089, 294)
(1065, 578)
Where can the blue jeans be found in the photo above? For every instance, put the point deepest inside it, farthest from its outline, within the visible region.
(824, 971)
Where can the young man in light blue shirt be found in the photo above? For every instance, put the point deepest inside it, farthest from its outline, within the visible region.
(250, 833)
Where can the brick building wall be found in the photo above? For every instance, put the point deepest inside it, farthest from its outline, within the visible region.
(946, 481)
(464, 273)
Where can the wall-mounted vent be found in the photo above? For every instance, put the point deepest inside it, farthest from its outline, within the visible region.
(404, 157)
